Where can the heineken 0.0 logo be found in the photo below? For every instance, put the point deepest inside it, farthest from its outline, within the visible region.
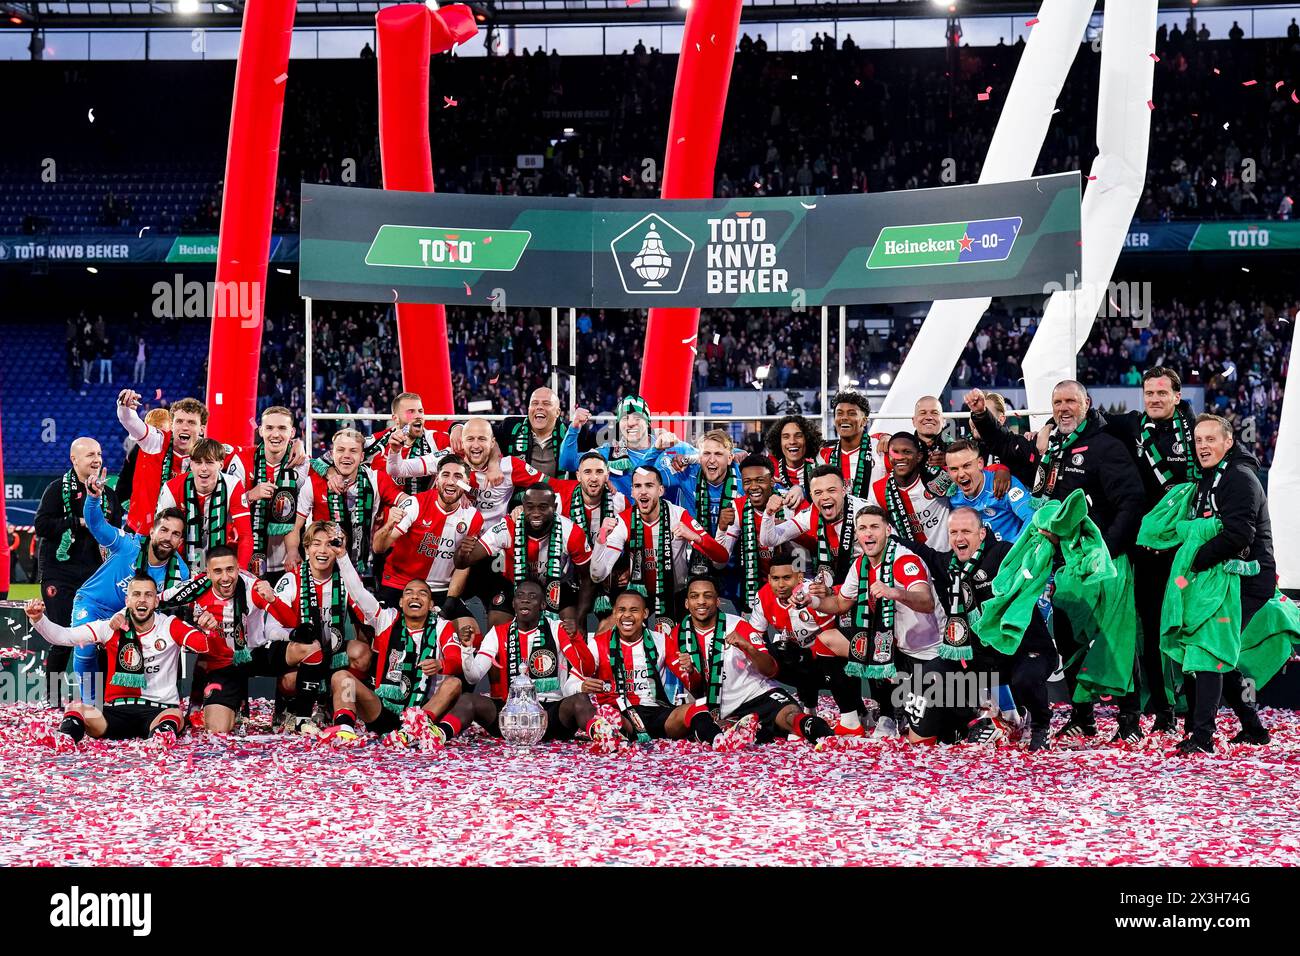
(944, 243)
(652, 256)
(442, 247)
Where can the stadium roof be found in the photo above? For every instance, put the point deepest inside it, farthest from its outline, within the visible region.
(324, 13)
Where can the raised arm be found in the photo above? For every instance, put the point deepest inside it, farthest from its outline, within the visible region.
(364, 601)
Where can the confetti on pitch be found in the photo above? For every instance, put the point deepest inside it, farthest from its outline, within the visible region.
(478, 802)
(448, 102)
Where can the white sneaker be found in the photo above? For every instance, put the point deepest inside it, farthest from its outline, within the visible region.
(885, 727)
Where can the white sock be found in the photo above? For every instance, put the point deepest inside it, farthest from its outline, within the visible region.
(850, 720)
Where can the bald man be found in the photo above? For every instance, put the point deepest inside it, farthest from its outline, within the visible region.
(68, 553)
(927, 420)
(536, 438)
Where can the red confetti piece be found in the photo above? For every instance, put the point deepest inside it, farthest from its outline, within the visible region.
(1250, 83)
(157, 395)
(466, 285)
(494, 379)
(1216, 72)
(1151, 104)
(1279, 84)
(281, 78)
(487, 240)
(982, 97)
(1154, 57)
(1091, 178)
(448, 102)
(1294, 98)
(1181, 582)
(1032, 23)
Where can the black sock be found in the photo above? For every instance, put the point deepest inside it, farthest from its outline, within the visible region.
(345, 718)
(167, 723)
(704, 727)
(450, 725)
(812, 728)
(73, 724)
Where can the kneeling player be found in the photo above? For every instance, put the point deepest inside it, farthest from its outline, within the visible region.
(408, 667)
(725, 665)
(554, 658)
(140, 698)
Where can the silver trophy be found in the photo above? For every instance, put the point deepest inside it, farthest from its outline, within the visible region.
(523, 719)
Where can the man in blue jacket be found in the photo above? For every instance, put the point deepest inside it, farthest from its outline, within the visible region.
(639, 445)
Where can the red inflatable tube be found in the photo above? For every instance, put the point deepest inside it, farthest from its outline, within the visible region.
(694, 129)
(407, 35)
(248, 206)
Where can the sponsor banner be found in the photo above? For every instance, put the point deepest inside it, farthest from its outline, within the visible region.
(126, 248)
(385, 246)
(1238, 236)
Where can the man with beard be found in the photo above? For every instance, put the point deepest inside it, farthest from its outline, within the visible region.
(1075, 452)
(126, 554)
(406, 437)
(162, 455)
(793, 443)
(351, 496)
(852, 455)
(271, 486)
(895, 625)
(314, 620)
(588, 500)
(1160, 438)
(1229, 489)
(555, 658)
(1005, 516)
(917, 504)
(214, 504)
(421, 539)
(964, 583)
(824, 530)
(68, 553)
(408, 670)
(727, 672)
(706, 488)
(661, 540)
(140, 697)
(546, 547)
(231, 606)
(638, 445)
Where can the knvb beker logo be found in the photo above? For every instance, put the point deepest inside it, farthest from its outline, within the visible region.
(652, 257)
(944, 243)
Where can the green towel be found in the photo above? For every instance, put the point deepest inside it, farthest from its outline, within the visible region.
(1160, 527)
(1200, 619)
(1267, 641)
(1094, 592)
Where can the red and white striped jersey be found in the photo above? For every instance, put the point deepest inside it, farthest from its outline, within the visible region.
(566, 488)
(929, 512)
(388, 657)
(783, 621)
(641, 685)
(430, 537)
(161, 646)
(500, 539)
(239, 529)
(741, 680)
(916, 634)
(575, 659)
(605, 556)
(221, 646)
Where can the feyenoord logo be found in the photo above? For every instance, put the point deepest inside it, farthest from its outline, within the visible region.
(542, 663)
(553, 595)
(129, 657)
(461, 527)
(860, 646)
(284, 504)
(159, 644)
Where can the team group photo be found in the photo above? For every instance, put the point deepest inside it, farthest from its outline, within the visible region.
(713, 437)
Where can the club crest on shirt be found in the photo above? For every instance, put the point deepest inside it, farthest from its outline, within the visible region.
(159, 644)
(1177, 449)
(1077, 459)
(981, 575)
(542, 663)
(461, 527)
